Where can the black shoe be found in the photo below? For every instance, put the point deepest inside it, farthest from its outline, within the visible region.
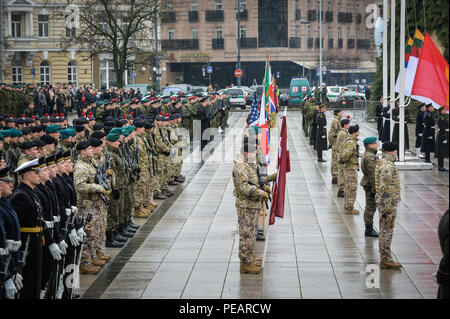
(133, 225)
(76, 295)
(370, 232)
(125, 233)
(341, 194)
(321, 160)
(130, 229)
(442, 169)
(260, 237)
(111, 241)
(118, 237)
(334, 180)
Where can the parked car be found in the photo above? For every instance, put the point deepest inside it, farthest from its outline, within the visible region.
(176, 89)
(360, 89)
(333, 92)
(199, 89)
(284, 97)
(347, 98)
(237, 97)
(143, 88)
(298, 89)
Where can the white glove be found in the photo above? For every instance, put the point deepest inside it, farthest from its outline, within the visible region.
(81, 234)
(17, 245)
(55, 251)
(63, 246)
(74, 209)
(10, 244)
(68, 211)
(18, 281)
(10, 289)
(74, 238)
(4, 251)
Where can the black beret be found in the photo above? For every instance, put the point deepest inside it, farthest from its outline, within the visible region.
(389, 146)
(45, 120)
(27, 145)
(83, 145)
(353, 129)
(27, 130)
(148, 125)
(95, 142)
(336, 111)
(344, 122)
(48, 139)
(110, 123)
(39, 143)
(98, 135)
(98, 127)
(79, 128)
(9, 120)
(107, 129)
(138, 124)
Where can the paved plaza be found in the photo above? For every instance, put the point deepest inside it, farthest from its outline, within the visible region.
(188, 248)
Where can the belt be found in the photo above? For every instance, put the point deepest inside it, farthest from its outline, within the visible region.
(31, 229)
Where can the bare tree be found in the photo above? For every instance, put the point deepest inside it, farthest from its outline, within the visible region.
(121, 28)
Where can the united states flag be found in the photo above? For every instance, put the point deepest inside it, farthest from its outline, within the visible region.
(254, 113)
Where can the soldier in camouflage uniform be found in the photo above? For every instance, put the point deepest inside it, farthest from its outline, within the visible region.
(387, 184)
(248, 204)
(349, 157)
(154, 186)
(332, 136)
(163, 148)
(368, 163)
(341, 137)
(88, 194)
(142, 193)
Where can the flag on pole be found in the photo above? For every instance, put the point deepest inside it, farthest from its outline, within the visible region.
(431, 77)
(254, 113)
(412, 59)
(269, 95)
(283, 167)
(259, 118)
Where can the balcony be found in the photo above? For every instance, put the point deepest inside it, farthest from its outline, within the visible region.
(329, 16)
(358, 18)
(345, 17)
(214, 15)
(330, 43)
(350, 43)
(179, 44)
(243, 14)
(168, 17)
(310, 43)
(193, 16)
(311, 15)
(248, 43)
(218, 43)
(363, 43)
(295, 43)
(297, 14)
(340, 43)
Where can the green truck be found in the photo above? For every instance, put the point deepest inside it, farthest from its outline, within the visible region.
(298, 89)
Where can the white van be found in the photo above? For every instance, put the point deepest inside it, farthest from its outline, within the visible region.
(333, 92)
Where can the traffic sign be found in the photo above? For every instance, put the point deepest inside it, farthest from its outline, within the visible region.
(238, 73)
(133, 75)
(210, 70)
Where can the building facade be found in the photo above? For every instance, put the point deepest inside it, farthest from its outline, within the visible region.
(32, 34)
(200, 33)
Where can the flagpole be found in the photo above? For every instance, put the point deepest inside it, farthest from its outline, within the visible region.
(402, 83)
(320, 46)
(392, 82)
(385, 55)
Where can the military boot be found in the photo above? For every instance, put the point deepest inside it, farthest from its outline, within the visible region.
(129, 229)
(140, 214)
(340, 194)
(123, 231)
(160, 196)
(111, 241)
(390, 264)
(89, 269)
(334, 180)
(119, 237)
(257, 260)
(348, 211)
(153, 203)
(98, 262)
(133, 225)
(260, 236)
(250, 269)
(355, 212)
(179, 179)
(103, 256)
(172, 183)
(370, 232)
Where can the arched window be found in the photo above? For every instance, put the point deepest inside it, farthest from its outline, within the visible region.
(72, 74)
(45, 73)
(17, 73)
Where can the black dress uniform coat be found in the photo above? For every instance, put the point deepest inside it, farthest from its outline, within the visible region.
(312, 140)
(428, 140)
(442, 137)
(379, 116)
(29, 210)
(419, 128)
(396, 131)
(386, 133)
(12, 228)
(204, 122)
(321, 134)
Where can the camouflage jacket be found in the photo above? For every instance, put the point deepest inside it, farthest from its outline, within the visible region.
(387, 181)
(143, 152)
(341, 137)
(368, 163)
(117, 167)
(246, 183)
(350, 152)
(84, 180)
(334, 131)
(162, 145)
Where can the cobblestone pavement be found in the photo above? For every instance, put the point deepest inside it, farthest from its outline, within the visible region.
(189, 247)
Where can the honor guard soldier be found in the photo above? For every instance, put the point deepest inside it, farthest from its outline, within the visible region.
(321, 133)
(387, 185)
(442, 139)
(428, 136)
(419, 128)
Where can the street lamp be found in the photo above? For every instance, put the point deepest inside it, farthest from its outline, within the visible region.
(238, 9)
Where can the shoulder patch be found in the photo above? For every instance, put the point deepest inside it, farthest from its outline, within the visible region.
(372, 158)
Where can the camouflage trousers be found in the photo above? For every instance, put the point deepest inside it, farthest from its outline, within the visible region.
(341, 181)
(115, 209)
(350, 188)
(387, 222)
(89, 251)
(248, 229)
(334, 162)
(155, 188)
(142, 193)
(101, 227)
(163, 172)
(370, 208)
(128, 204)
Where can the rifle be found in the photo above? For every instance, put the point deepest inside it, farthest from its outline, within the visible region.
(4, 274)
(101, 180)
(59, 290)
(22, 261)
(262, 185)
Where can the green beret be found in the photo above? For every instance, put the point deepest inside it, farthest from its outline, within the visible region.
(125, 102)
(145, 101)
(166, 101)
(254, 130)
(66, 133)
(14, 132)
(116, 130)
(185, 101)
(5, 133)
(127, 130)
(370, 140)
(52, 128)
(112, 137)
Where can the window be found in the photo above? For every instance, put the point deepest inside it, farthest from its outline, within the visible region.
(218, 33)
(70, 32)
(339, 33)
(243, 5)
(16, 25)
(348, 8)
(297, 5)
(171, 34)
(72, 73)
(218, 4)
(130, 72)
(170, 7)
(194, 6)
(17, 73)
(194, 33)
(107, 75)
(243, 32)
(104, 26)
(309, 31)
(43, 26)
(357, 8)
(45, 73)
(297, 31)
(126, 23)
